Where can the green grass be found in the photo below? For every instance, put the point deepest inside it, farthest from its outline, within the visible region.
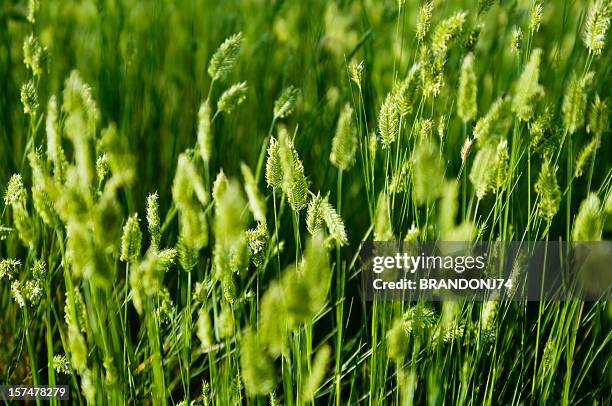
(229, 287)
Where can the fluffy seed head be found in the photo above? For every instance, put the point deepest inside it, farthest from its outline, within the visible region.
(274, 170)
(528, 91)
(321, 214)
(78, 348)
(314, 215)
(29, 97)
(232, 97)
(317, 374)
(153, 220)
(428, 172)
(205, 330)
(257, 240)
(517, 39)
(397, 341)
(33, 55)
(78, 99)
(61, 365)
(467, 106)
(356, 72)
(294, 183)
(146, 279)
(502, 161)
(54, 143)
(471, 38)
(224, 58)
(446, 31)
(406, 92)
(466, 148)
(256, 366)
(383, 229)
(230, 205)
(257, 203)
(599, 116)
(9, 267)
(548, 191)
(424, 20)
(33, 6)
(588, 222)
(585, 156)
(540, 128)
(494, 123)
(188, 191)
(575, 102)
(102, 167)
(596, 26)
(388, 120)
(535, 16)
(484, 6)
(481, 175)
(131, 240)
(285, 104)
(205, 136)
(432, 72)
(42, 188)
(15, 192)
(344, 143)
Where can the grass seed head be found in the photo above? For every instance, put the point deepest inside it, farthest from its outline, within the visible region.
(225, 56)
(205, 330)
(15, 191)
(61, 365)
(599, 116)
(535, 16)
(285, 104)
(29, 98)
(484, 6)
(257, 368)
(428, 171)
(131, 240)
(446, 31)
(575, 102)
(153, 220)
(274, 170)
(407, 90)
(9, 267)
(356, 72)
(344, 143)
(314, 215)
(397, 341)
(424, 20)
(33, 55)
(257, 202)
(317, 373)
(528, 90)
(588, 223)
(257, 240)
(388, 120)
(481, 175)
(294, 183)
(517, 39)
(596, 26)
(495, 123)
(467, 106)
(548, 191)
(383, 229)
(205, 136)
(232, 97)
(586, 154)
(502, 163)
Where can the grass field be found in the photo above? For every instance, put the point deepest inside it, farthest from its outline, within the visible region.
(186, 186)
